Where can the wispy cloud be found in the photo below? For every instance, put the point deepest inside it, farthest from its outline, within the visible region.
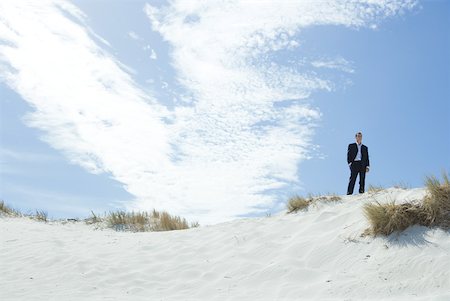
(134, 36)
(338, 63)
(231, 150)
(153, 55)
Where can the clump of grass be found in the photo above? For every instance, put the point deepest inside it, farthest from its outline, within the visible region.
(386, 218)
(93, 219)
(128, 221)
(168, 223)
(334, 198)
(297, 203)
(327, 198)
(38, 215)
(436, 204)
(41, 216)
(144, 221)
(434, 210)
(4, 208)
(8, 211)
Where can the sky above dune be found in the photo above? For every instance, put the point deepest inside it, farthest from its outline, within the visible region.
(216, 109)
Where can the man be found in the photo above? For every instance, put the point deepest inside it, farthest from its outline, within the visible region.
(358, 161)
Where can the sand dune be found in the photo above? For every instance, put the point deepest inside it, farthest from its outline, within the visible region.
(317, 254)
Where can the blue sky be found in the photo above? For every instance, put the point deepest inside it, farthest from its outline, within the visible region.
(216, 110)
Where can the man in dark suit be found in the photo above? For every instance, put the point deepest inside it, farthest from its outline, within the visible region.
(358, 161)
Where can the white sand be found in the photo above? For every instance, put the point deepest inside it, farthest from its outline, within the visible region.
(316, 254)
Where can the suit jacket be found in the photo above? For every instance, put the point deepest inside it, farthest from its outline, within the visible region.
(353, 151)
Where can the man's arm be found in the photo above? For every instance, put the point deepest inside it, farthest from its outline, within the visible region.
(368, 162)
(348, 154)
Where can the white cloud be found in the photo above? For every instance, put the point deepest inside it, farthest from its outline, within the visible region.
(216, 157)
(338, 63)
(153, 55)
(134, 36)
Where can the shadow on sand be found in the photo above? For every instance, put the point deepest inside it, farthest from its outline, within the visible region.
(413, 236)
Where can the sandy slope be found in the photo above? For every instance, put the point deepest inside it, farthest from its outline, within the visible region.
(312, 255)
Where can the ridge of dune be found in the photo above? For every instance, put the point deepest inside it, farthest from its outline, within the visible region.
(315, 254)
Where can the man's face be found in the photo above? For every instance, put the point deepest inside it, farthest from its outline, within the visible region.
(358, 138)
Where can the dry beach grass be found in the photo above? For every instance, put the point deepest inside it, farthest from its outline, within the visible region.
(144, 221)
(432, 211)
(297, 203)
(120, 220)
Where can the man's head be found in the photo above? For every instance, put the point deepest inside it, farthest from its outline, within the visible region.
(358, 137)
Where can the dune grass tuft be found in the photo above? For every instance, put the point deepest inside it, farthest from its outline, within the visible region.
(144, 221)
(297, 203)
(387, 218)
(168, 223)
(8, 210)
(4, 208)
(41, 216)
(436, 204)
(334, 198)
(326, 198)
(93, 219)
(434, 210)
